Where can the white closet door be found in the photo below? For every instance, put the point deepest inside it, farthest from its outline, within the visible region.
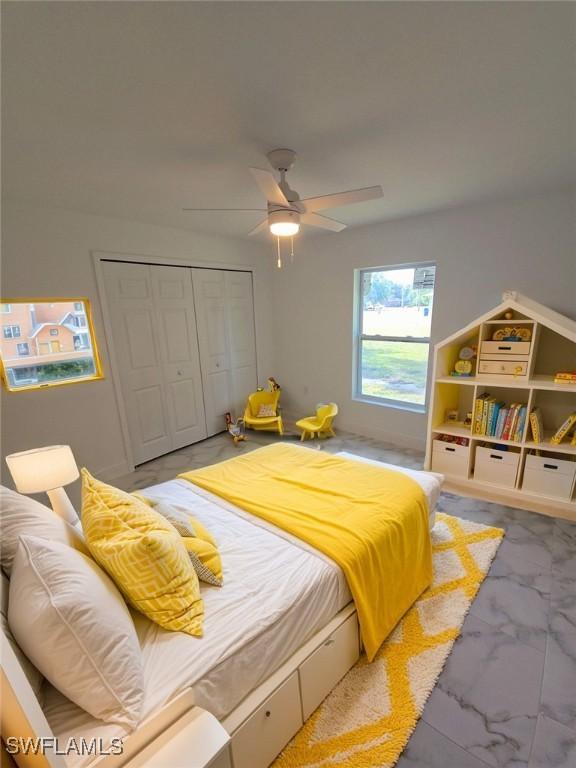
(225, 317)
(152, 313)
(240, 319)
(174, 300)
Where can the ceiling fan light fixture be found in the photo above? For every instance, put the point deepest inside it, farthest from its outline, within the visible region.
(284, 223)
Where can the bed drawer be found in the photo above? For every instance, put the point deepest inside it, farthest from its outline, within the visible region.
(266, 732)
(328, 664)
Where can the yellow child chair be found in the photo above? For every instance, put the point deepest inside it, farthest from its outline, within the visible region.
(261, 411)
(321, 424)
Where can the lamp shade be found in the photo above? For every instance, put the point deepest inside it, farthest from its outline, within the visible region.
(42, 469)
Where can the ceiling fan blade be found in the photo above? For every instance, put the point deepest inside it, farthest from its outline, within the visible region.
(218, 210)
(322, 221)
(341, 198)
(269, 186)
(259, 228)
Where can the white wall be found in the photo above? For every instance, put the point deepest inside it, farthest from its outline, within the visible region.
(528, 245)
(47, 252)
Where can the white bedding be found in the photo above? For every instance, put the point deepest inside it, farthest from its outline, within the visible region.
(277, 593)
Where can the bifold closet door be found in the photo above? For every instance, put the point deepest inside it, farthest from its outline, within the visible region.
(225, 318)
(154, 333)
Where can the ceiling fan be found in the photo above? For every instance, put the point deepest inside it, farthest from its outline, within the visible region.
(285, 210)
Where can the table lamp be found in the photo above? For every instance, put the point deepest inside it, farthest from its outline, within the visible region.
(46, 469)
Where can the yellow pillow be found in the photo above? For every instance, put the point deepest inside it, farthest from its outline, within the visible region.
(144, 555)
(199, 543)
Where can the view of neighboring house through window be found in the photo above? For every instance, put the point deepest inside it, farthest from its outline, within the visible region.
(5, 309)
(42, 344)
(393, 339)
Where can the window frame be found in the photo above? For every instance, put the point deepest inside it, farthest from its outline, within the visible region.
(5, 308)
(10, 327)
(23, 344)
(360, 337)
(98, 374)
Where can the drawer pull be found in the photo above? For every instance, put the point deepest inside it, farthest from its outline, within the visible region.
(330, 641)
(505, 349)
(268, 713)
(496, 456)
(550, 466)
(450, 450)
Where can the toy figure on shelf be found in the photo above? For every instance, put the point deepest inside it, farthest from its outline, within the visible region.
(509, 333)
(235, 428)
(464, 365)
(273, 384)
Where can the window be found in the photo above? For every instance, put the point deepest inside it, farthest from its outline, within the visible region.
(5, 309)
(55, 351)
(81, 341)
(11, 331)
(393, 338)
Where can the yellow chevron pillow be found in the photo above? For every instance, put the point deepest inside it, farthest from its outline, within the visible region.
(144, 555)
(200, 545)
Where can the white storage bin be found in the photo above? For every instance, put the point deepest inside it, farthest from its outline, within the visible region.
(496, 467)
(450, 458)
(549, 476)
(267, 731)
(328, 664)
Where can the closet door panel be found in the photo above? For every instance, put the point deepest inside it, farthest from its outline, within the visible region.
(133, 317)
(174, 301)
(210, 297)
(240, 320)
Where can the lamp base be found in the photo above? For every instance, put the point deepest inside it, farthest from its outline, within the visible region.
(62, 505)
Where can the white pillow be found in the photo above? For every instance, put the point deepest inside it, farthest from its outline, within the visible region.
(21, 515)
(73, 624)
(34, 677)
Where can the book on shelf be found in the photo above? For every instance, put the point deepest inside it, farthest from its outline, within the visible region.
(537, 426)
(565, 377)
(563, 429)
(478, 413)
(502, 416)
(520, 425)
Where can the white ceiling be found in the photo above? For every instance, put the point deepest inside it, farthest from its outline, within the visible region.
(138, 109)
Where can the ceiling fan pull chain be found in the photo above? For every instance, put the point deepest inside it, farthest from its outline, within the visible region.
(291, 250)
(279, 262)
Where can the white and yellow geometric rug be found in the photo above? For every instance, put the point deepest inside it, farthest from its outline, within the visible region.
(366, 721)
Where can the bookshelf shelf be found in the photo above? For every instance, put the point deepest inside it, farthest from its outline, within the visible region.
(481, 471)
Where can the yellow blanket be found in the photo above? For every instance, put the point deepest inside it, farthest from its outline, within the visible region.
(372, 522)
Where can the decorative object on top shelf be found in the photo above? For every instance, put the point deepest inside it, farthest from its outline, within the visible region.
(565, 377)
(509, 333)
(468, 419)
(452, 415)
(464, 365)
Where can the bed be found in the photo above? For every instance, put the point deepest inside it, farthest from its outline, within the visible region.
(280, 596)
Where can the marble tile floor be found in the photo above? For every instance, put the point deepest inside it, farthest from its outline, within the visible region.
(507, 695)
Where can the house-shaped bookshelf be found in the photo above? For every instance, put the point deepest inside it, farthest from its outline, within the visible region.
(478, 435)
